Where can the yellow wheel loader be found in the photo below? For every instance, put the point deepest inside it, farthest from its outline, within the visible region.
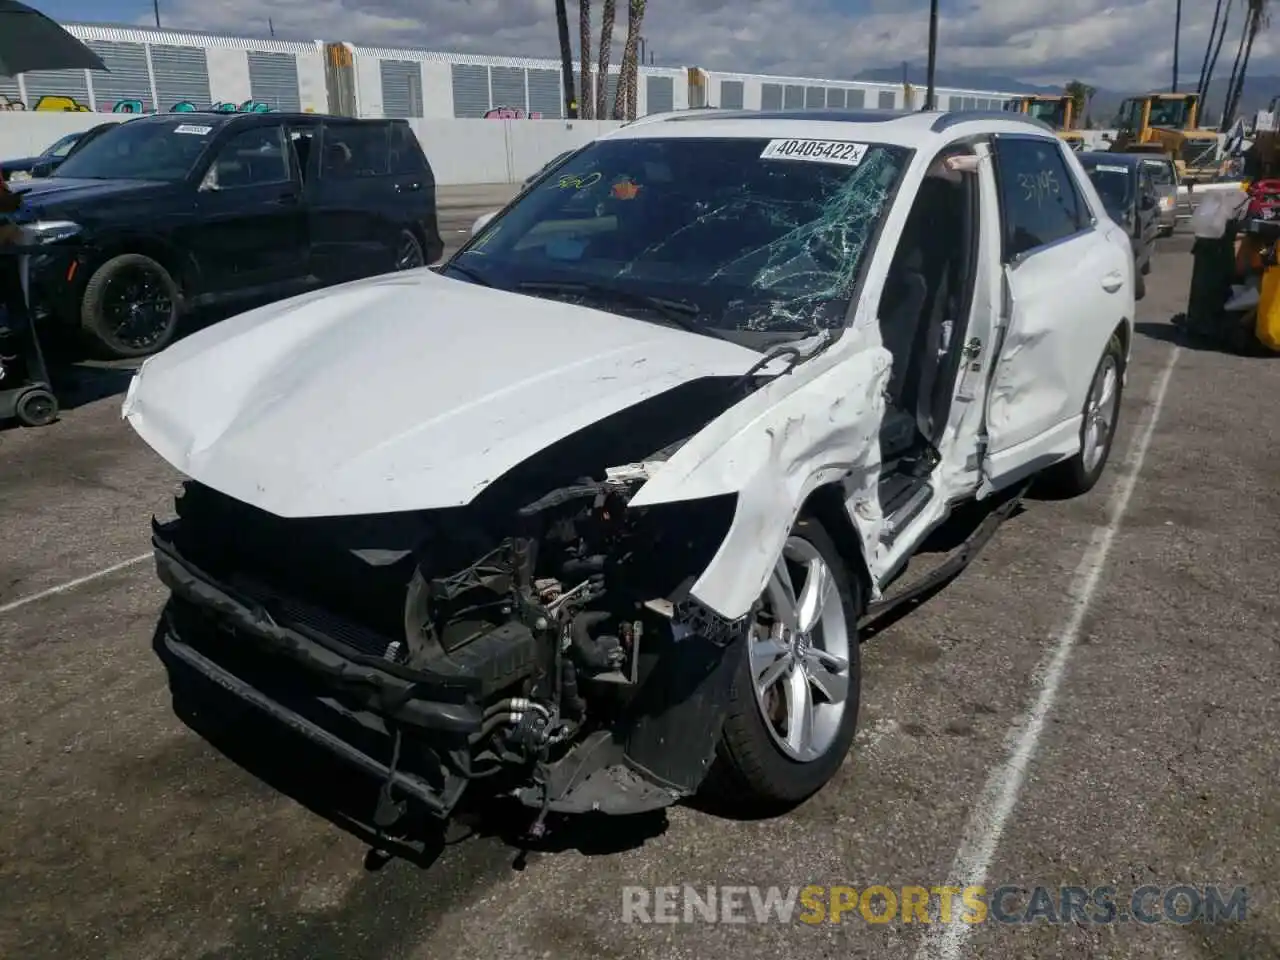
(1166, 124)
(1058, 112)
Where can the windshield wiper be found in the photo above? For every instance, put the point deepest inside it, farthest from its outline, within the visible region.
(678, 313)
(469, 274)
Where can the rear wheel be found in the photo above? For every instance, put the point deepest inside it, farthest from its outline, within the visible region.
(794, 706)
(1101, 413)
(1139, 284)
(130, 307)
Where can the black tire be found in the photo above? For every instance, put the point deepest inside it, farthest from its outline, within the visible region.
(1139, 284)
(1146, 266)
(36, 407)
(409, 254)
(104, 339)
(1075, 477)
(751, 774)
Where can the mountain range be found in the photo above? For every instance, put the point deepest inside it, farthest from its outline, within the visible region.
(1257, 94)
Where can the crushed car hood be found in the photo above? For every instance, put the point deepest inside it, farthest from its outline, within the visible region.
(406, 392)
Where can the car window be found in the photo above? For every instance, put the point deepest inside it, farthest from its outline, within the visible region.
(758, 234)
(250, 158)
(1114, 183)
(143, 149)
(1039, 200)
(62, 146)
(406, 152)
(1161, 172)
(353, 150)
(303, 140)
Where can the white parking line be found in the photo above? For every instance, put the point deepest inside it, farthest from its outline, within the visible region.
(986, 823)
(72, 584)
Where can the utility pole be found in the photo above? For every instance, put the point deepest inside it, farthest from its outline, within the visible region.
(931, 100)
(155, 4)
(1177, 36)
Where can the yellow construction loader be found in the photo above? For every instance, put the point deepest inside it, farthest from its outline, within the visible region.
(1166, 123)
(1058, 112)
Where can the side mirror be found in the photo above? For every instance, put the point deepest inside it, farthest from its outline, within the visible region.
(42, 169)
(482, 221)
(1148, 202)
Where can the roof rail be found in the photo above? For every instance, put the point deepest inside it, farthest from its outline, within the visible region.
(689, 113)
(955, 117)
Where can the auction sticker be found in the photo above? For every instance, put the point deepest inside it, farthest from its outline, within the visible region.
(1111, 168)
(843, 152)
(199, 131)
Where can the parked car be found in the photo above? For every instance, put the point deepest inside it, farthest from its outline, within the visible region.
(43, 163)
(609, 496)
(1173, 204)
(162, 214)
(1124, 183)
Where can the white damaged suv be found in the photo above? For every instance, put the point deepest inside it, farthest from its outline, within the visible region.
(601, 505)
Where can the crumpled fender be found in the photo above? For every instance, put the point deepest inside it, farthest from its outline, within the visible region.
(815, 426)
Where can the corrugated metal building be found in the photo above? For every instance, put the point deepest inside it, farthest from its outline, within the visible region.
(171, 70)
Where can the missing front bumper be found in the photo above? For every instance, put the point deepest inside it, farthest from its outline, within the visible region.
(438, 801)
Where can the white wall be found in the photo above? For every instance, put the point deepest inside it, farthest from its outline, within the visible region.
(460, 151)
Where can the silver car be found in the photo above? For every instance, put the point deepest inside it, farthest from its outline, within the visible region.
(1172, 204)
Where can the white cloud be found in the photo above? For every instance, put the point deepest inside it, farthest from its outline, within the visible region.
(1120, 44)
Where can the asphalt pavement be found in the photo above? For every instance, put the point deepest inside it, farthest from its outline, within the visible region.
(1093, 702)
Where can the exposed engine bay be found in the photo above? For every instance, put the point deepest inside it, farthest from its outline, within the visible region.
(548, 641)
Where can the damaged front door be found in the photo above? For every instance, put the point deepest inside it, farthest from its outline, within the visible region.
(1057, 281)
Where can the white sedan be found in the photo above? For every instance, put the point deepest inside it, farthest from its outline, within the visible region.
(601, 505)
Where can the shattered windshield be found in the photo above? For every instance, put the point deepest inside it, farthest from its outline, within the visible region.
(748, 234)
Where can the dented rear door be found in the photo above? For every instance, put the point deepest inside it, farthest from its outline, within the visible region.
(1060, 287)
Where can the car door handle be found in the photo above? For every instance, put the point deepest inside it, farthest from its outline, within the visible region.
(288, 199)
(1113, 281)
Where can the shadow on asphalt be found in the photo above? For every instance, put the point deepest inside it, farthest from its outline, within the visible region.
(329, 788)
(1244, 345)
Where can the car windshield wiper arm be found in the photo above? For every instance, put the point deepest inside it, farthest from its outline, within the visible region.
(469, 274)
(679, 313)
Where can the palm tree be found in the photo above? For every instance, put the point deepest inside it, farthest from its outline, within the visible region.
(1211, 48)
(608, 13)
(1235, 66)
(566, 59)
(1255, 20)
(586, 98)
(1177, 42)
(628, 98)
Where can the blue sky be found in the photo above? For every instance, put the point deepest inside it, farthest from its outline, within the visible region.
(1104, 42)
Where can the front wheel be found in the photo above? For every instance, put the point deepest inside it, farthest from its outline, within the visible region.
(409, 255)
(794, 705)
(130, 307)
(1101, 413)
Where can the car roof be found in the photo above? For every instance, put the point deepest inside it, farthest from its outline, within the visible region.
(226, 116)
(915, 129)
(1119, 159)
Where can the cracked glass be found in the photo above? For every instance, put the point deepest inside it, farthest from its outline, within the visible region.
(743, 242)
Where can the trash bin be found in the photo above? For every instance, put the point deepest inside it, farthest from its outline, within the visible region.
(1213, 269)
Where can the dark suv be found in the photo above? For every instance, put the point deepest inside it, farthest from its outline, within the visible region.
(171, 212)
